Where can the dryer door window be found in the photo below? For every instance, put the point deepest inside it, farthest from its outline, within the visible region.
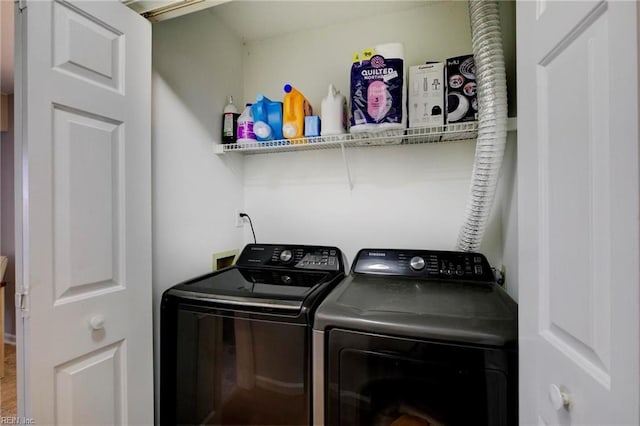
(375, 380)
(219, 370)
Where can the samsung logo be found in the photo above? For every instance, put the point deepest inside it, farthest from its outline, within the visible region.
(377, 254)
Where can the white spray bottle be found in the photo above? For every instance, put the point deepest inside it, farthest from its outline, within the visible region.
(333, 113)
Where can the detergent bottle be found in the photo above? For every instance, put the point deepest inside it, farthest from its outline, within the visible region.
(333, 113)
(267, 118)
(295, 108)
(245, 127)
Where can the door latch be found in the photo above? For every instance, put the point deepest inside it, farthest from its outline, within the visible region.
(22, 302)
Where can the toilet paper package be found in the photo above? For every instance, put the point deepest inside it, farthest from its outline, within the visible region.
(426, 95)
(378, 101)
(462, 103)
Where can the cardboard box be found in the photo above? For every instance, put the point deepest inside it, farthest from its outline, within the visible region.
(462, 103)
(426, 95)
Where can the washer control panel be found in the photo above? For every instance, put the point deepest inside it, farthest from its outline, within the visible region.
(431, 264)
(319, 258)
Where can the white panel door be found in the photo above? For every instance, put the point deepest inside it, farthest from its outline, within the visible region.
(578, 212)
(84, 213)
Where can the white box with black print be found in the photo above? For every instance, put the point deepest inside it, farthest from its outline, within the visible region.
(426, 95)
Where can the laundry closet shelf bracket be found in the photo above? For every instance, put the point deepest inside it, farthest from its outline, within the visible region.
(346, 166)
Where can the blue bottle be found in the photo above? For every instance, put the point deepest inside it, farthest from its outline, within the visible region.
(267, 119)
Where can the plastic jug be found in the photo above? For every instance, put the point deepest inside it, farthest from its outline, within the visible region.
(333, 113)
(245, 126)
(295, 108)
(267, 118)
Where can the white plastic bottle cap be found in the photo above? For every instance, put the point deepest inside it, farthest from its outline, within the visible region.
(261, 129)
(289, 130)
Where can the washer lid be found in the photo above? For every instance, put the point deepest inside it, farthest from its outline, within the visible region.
(255, 284)
(412, 307)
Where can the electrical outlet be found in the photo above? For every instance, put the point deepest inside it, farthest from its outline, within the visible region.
(238, 220)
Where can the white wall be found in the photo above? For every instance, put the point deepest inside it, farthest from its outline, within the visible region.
(506, 208)
(405, 197)
(409, 196)
(507, 199)
(194, 191)
(312, 59)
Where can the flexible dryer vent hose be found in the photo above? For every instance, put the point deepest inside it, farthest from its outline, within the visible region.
(492, 120)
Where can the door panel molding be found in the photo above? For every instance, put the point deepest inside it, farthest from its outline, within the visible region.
(87, 48)
(106, 366)
(574, 197)
(87, 190)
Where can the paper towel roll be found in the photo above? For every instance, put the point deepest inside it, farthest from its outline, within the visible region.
(390, 50)
(396, 50)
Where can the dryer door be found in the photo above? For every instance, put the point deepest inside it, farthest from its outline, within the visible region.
(232, 370)
(378, 380)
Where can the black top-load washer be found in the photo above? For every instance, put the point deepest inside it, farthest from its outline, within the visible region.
(235, 344)
(416, 337)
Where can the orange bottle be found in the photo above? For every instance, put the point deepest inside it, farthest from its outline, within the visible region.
(294, 108)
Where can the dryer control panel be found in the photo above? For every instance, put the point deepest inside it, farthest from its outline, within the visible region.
(430, 264)
(319, 258)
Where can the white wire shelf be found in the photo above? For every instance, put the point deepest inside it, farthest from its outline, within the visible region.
(447, 133)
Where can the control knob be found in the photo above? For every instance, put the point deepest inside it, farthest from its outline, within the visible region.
(416, 263)
(286, 256)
